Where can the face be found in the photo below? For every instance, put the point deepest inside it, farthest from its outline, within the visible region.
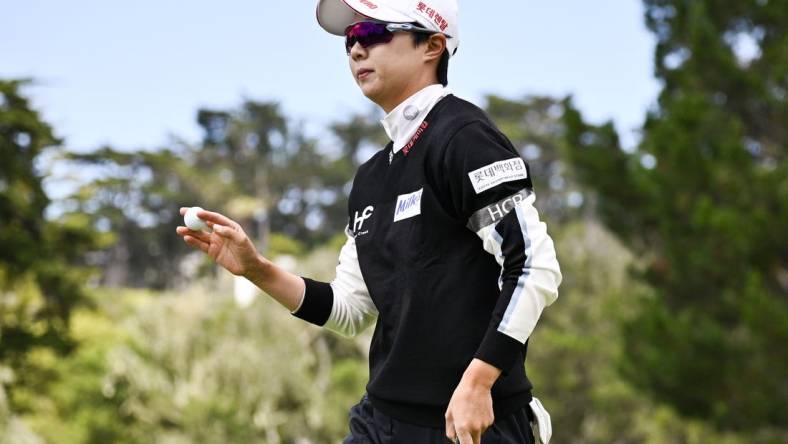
(388, 73)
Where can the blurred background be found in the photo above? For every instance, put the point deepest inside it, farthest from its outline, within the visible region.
(656, 131)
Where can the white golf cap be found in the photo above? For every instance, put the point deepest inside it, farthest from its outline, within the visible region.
(437, 15)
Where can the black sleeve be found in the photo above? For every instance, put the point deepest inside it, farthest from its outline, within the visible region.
(486, 179)
(317, 302)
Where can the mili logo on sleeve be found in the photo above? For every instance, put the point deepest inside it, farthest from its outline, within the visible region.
(497, 173)
(408, 205)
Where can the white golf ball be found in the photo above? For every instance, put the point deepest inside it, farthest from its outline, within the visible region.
(192, 221)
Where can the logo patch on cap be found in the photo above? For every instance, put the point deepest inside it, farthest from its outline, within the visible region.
(425, 10)
(369, 4)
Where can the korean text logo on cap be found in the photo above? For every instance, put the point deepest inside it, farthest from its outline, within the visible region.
(437, 15)
(431, 14)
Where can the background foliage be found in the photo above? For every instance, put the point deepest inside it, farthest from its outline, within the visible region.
(673, 312)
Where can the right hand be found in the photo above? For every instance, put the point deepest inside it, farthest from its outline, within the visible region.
(228, 245)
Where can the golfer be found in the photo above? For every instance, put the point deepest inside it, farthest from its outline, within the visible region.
(445, 251)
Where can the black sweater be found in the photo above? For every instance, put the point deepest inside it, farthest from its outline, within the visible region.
(419, 220)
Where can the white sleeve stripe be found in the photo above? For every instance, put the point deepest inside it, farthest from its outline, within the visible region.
(537, 285)
(352, 310)
(521, 281)
(498, 255)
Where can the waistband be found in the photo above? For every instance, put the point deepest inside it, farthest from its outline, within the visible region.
(434, 416)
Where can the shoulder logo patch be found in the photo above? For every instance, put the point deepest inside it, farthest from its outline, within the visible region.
(408, 205)
(497, 173)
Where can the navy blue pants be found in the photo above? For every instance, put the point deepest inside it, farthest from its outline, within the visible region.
(370, 426)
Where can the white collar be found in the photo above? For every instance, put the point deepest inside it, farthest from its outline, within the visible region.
(416, 107)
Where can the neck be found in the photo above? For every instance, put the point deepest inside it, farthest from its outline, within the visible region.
(390, 104)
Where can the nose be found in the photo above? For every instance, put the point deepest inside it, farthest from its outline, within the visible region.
(358, 52)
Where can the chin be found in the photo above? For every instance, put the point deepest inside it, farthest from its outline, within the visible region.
(369, 91)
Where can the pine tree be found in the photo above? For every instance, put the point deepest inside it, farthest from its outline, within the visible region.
(42, 274)
(704, 201)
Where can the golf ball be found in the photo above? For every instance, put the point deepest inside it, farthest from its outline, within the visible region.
(192, 221)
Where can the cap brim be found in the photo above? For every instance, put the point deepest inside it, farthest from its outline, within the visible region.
(336, 15)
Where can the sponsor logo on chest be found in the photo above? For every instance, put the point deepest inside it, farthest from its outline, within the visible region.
(408, 205)
(359, 218)
(497, 173)
(415, 138)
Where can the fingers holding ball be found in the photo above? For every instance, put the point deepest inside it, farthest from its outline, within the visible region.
(192, 221)
(202, 223)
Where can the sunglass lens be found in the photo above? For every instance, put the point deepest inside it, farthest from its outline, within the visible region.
(366, 34)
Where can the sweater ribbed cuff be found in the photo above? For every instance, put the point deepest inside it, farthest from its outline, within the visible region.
(499, 350)
(317, 303)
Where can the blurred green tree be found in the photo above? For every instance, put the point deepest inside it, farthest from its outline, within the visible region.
(297, 184)
(577, 347)
(135, 199)
(42, 271)
(704, 201)
(252, 165)
(534, 125)
(199, 369)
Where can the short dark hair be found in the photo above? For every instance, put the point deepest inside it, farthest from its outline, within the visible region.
(443, 63)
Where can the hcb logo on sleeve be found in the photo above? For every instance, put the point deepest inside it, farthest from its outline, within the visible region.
(496, 211)
(408, 205)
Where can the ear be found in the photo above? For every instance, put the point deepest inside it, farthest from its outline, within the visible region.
(436, 45)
